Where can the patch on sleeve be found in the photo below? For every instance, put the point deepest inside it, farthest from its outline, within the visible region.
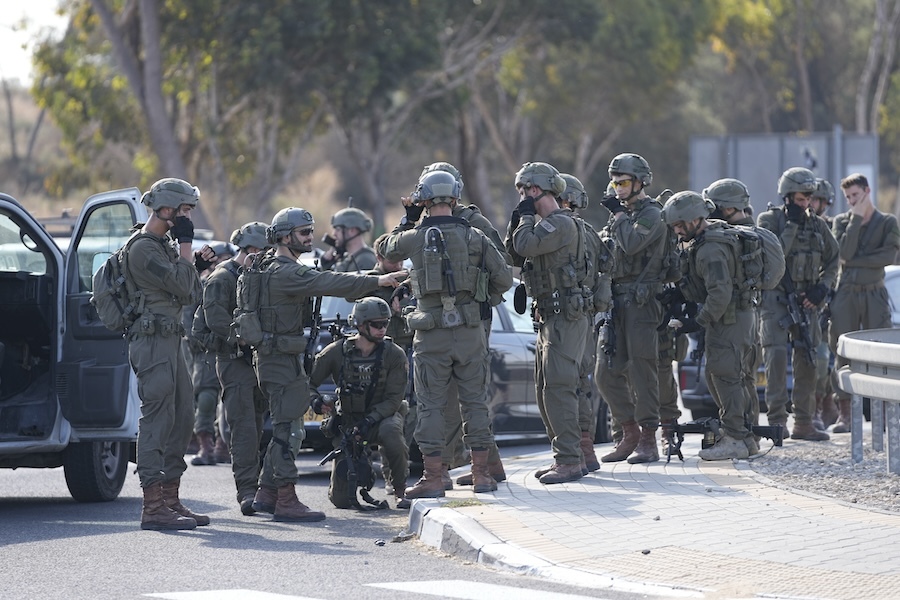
(644, 224)
(717, 271)
(547, 225)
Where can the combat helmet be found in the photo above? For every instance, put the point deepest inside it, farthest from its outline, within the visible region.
(437, 186)
(368, 309)
(728, 193)
(286, 220)
(351, 217)
(251, 235)
(824, 190)
(542, 175)
(634, 165)
(686, 206)
(445, 167)
(172, 193)
(796, 179)
(574, 193)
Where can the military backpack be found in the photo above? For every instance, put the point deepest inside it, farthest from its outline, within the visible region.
(115, 296)
(252, 295)
(759, 256)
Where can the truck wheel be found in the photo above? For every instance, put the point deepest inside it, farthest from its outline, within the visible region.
(95, 471)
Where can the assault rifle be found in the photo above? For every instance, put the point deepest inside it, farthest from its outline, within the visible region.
(354, 451)
(710, 428)
(798, 317)
(309, 354)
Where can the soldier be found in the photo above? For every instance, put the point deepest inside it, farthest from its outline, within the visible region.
(349, 252)
(811, 263)
(600, 263)
(454, 450)
(456, 272)
(244, 403)
(732, 201)
(630, 381)
(826, 407)
(868, 240)
(167, 278)
(726, 316)
(551, 253)
(370, 373)
(278, 359)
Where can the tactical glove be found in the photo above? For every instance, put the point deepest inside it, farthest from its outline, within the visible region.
(183, 230)
(363, 427)
(526, 206)
(613, 204)
(414, 212)
(670, 296)
(816, 293)
(795, 213)
(201, 263)
(689, 325)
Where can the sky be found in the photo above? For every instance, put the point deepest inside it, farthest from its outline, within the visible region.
(15, 61)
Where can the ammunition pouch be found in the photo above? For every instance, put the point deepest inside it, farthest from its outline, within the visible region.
(149, 324)
(281, 344)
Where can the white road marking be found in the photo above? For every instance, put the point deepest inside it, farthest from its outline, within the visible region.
(472, 590)
(227, 595)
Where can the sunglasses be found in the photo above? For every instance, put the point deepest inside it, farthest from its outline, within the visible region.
(620, 183)
(305, 232)
(378, 324)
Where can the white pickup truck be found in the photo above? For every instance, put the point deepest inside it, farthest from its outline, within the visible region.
(68, 396)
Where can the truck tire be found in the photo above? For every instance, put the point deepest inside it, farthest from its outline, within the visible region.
(95, 471)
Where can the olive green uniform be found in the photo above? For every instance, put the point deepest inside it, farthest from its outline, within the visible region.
(861, 300)
(811, 257)
(549, 252)
(360, 261)
(728, 319)
(245, 405)
(278, 360)
(631, 384)
(354, 374)
(449, 341)
(168, 283)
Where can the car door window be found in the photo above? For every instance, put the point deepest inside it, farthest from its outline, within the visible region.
(106, 230)
(19, 252)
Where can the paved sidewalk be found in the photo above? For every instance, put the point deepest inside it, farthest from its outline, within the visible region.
(691, 529)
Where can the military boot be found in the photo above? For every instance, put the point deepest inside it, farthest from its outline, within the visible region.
(446, 480)
(265, 499)
(843, 422)
(752, 445)
(808, 431)
(289, 509)
(481, 477)
(156, 516)
(561, 474)
(207, 454)
(587, 450)
(725, 448)
(400, 497)
(246, 503)
(646, 450)
(817, 415)
(221, 452)
(495, 468)
(430, 485)
(170, 495)
(829, 410)
(631, 434)
(785, 432)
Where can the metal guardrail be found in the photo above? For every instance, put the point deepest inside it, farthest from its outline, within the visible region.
(874, 373)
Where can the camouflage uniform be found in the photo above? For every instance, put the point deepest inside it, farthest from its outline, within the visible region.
(360, 261)
(169, 283)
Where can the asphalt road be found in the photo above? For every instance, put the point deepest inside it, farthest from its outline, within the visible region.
(53, 547)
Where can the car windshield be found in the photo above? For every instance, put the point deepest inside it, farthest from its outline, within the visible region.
(19, 252)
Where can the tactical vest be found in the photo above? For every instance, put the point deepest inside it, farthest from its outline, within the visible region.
(359, 379)
(657, 263)
(561, 281)
(744, 294)
(803, 262)
(598, 259)
(200, 331)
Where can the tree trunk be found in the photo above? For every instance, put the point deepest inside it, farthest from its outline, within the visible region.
(887, 66)
(10, 122)
(799, 43)
(868, 71)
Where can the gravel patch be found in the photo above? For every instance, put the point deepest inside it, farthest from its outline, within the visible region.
(825, 468)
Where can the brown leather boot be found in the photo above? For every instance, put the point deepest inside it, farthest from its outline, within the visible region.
(843, 422)
(646, 450)
(156, 516)
(221, 452)
(541, 472)
(265, 499)
(829, 410)
(446, 480)
(170, 495)
(193, 445)
(817, 415)
(430, 485)
(561, 474)
(481, 478)
(631, 434)
(495, 468)
(587, 450)
(207, 454)
(289, 509)
(808, 431)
